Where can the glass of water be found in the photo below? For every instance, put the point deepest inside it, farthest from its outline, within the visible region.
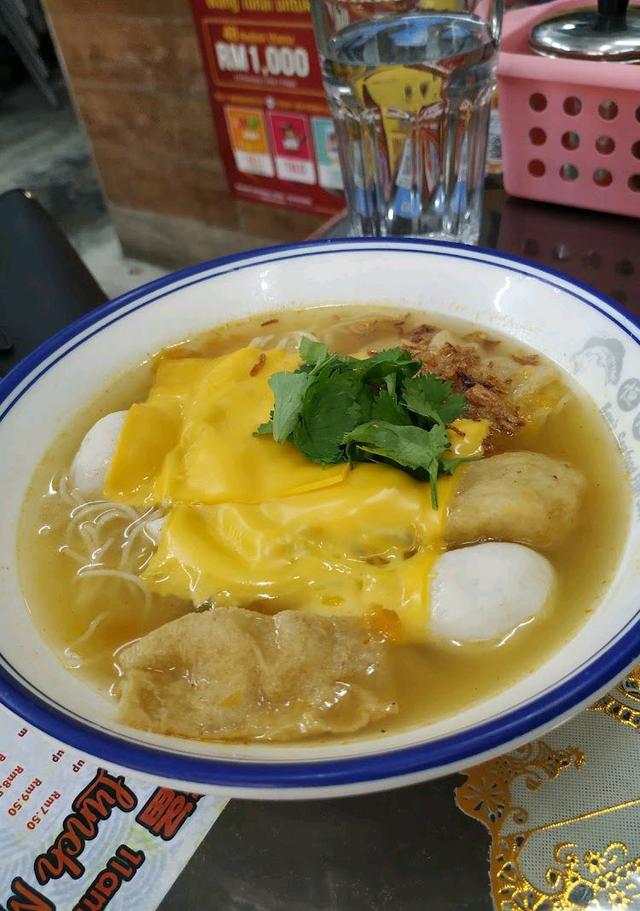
(410, 86)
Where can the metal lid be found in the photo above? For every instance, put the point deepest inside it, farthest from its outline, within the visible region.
(587, 34)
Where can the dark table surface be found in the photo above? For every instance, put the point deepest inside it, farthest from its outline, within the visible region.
(411, 848)
(406, 849)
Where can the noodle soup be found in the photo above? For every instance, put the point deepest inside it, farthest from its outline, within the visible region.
(443, 514)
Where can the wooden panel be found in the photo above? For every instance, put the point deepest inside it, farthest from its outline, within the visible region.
(194, 123)
(163, 184)
(158, 8)
(179, 242)
(136, 52)
(150, 122)
(281, 225)
(137, 76)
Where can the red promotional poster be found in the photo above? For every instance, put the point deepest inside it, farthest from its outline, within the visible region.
(274, 127)
(292, 149)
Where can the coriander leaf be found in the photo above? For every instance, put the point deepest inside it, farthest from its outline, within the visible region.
(312, 352)
(267, 427)
(337, 408)
(433, 398)
(330, 362)
(391, 381)
(375, 368)
(330, 410)
(410, 446)
(385, 407)
(365, 400)
(454, 407)
(433, 482)
(450, 465)
(288, 390)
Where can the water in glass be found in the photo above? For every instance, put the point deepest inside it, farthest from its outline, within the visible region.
(410, 93)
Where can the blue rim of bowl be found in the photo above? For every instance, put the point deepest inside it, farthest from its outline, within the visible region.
(454, 750)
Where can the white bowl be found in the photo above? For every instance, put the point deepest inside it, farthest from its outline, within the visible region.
(581, 331)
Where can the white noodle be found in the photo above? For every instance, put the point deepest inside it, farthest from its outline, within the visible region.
(87, 533)
(147, 516)
(96, 572)
(119, 555)
(89, 591)
(70, 552)
(100, 551)
(105, 518)
(136, 532)
(70, 653)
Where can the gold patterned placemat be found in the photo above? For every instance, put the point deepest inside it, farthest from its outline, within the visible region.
(563, 813)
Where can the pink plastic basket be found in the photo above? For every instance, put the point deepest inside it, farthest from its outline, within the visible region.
(570, 129)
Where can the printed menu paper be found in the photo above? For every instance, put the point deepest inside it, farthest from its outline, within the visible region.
(249, 141)
(326, 144)
(78, 837)
(267, 99)
(292, 147)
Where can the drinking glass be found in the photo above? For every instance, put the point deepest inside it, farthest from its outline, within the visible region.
(410, 86)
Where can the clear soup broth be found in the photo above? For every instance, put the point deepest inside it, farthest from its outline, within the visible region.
(79, 560)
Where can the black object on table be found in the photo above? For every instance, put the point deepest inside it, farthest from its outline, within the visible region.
(44, 284)
(404, 850)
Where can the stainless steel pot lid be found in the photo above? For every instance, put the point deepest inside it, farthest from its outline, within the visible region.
(611, 33)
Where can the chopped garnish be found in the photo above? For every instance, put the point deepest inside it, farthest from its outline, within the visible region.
(433, 398)
(385, 407)
(288, 394)
(257, 367)
(336, 408)
(526, 359)
(312, 352)
(330, 410)
(376, 368)
(410, 447)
